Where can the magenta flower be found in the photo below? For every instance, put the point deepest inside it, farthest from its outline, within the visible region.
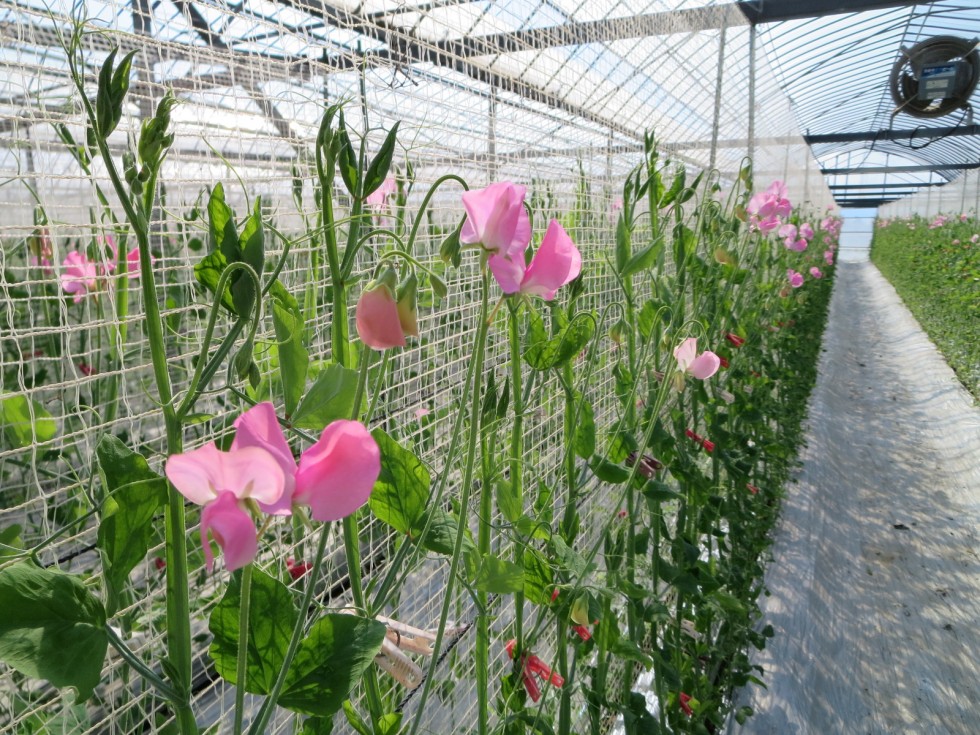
(806, 231)
(378, 323)
(555, 263)
(701, 366)
(795, 279)
(796, 245)
(379, 197)
(222, 482)
(828, 256)
(42, 252)
(765, 208)
(259, 427)
(80, 275)
(336, 475)
(815, 272)
(497, 220)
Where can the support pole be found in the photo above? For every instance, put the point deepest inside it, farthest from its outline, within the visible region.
(718, 80)
(751, 135)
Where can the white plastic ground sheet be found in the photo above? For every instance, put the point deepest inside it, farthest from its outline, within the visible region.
(875, 580)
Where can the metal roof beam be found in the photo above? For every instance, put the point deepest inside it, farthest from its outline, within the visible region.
(899, 169)
(690, 20)
(944, 132)
(902, 185)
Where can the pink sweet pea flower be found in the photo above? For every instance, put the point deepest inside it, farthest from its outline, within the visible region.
(767, 207)
(378, 323)
(336, 475)
(701, 366)
(828, 256)
(133, 263)
(975, 239)
(555, 263)
(795, 279)
(815, 272)
(796, 245)
(806, 231)
(222, 482)
(788, 232)
(379, 197)
(80, 275)
(259, 427)
(497, 220)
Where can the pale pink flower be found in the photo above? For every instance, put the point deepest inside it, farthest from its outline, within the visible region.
(259, 427)
(497, 220)
(79, 275)
(828, 256)
(806, 231)
(556, 263)
(378, 322)
(222, 482)
(815, 272)
(421, 413)
(796, 245)
(379, 197)
(975, 239)
(701, 366)
(336, 475)
(765, 208)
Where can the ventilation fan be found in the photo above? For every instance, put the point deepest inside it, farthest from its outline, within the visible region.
(936, 76)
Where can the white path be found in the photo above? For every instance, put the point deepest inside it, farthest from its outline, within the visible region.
(875, 577)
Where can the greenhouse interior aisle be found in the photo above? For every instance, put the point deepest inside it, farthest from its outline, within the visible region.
(875, 580)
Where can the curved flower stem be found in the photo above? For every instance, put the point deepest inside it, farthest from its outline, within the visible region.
(242, 663)
(258, 726)
(425, 203)
(464, 501)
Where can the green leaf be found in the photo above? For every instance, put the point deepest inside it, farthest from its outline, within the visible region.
(400, 495)
(584, 439)
(347, 159)
(52, 627)
(379, 167)
(508, 502)
(646, 258)
(539, 579)
(609, 472)
(10, 537)
(355, 720)
(624, 248)
(743, 713)
(440, 531)
(330, 662)
(676, 187)
(331, 397)
(317, 726)
(658, 492)
(294, 359)
(691, 190)
(389, 724)
(18, 429)
(499, 576)
(252, 246)
(543, 353)
(208, 272)
(272, 616)
(134, 494)
(222, 233)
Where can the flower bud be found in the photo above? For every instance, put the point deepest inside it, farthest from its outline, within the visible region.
(407, 305)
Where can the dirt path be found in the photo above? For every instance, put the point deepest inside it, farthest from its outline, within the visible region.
(875, 581)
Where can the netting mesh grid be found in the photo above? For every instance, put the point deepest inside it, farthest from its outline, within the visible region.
(533, 92)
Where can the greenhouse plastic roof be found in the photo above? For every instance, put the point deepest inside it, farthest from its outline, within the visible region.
(623, 65)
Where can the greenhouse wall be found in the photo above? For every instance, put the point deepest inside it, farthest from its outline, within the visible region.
(252, 82)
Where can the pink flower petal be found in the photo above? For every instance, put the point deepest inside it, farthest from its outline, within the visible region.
(685, 352)
(508, 273)
(705, 365)
(259, 427)
(556, 263)
(202, 474)
(377, 320)
(232, 528)
(196, 474)
(496, 218)
(336, 475)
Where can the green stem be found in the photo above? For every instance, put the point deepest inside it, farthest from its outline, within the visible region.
(178, 602)
(517, 453)
(242, 662)
(130, 657)
(464, 501)
(481, 651)
(425, 203)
